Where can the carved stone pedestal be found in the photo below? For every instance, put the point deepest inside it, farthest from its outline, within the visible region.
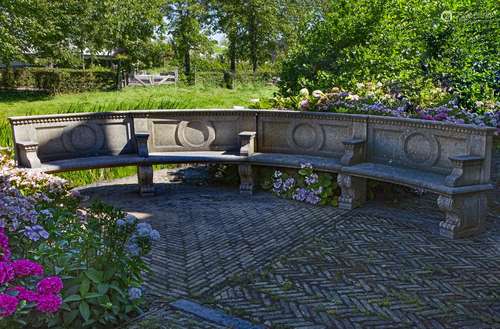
(247, 148)
(145, 178)
(465, 214)
(353, 193)
(246, 179)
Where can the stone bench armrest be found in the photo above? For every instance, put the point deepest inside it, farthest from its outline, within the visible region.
(354, 151)
(247, 142)
(142, 144)
(28, 156)
(466, 170)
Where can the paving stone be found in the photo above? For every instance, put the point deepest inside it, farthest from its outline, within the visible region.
(288, 264)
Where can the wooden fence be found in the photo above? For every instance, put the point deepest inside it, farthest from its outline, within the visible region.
(163, 78)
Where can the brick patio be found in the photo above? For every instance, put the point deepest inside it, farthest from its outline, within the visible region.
(289, 265)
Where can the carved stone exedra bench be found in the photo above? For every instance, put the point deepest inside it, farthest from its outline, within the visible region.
(453, 161)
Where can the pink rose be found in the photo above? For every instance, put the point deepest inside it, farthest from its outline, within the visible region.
(49, 285)
(49, 303)
(26, 267)
(8, 305)
(6, 272)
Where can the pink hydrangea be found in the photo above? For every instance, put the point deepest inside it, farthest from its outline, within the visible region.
(49, 303)
(24, 294)
(27, 267)
(49, 285)
(8, 305)
(6, 272)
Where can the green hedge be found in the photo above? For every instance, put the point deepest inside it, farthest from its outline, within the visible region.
(56, 81)
(216, 78)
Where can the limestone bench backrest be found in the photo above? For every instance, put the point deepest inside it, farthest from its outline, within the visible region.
(189, 130)
(57, 137)
(428, 145)
(320, 134)
(406, 143)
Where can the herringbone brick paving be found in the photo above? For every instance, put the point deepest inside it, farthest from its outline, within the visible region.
(290, 265)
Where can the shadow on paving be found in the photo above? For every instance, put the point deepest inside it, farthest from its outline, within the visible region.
(289, 265)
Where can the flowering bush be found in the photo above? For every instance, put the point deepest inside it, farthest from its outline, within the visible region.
(372, 98)
(93, 257)
(21, 288)
(26, 198)
(306, 186)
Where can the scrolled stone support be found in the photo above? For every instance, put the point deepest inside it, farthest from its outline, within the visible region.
(465, 215)
(354, 152)
(247, 148)
(145, 179)
(353, 191)
(28, 154)
(466, 171)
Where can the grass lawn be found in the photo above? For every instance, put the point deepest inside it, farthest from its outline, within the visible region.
(131, 98)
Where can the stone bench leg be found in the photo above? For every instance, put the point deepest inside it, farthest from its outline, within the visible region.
(145, 178)
(353, 191)
(246, 179)
(465, 214)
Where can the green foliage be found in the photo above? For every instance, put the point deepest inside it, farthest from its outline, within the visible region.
(412, 46)
(56, 81)
(89, 252)
(60, 31)
(186, 20)
(224, 174)
(304, 185)
(97, 252)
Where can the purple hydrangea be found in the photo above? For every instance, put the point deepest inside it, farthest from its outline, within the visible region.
(35, 233)
(134, 293)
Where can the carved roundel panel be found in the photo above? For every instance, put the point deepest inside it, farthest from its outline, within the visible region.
(84, 138)
(195, 133)
(420, 149)
(305, 136)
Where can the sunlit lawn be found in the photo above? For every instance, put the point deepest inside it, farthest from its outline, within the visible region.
(131, 98)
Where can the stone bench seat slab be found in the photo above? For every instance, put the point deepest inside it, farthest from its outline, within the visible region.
(412, 178)
(321, 163)
(454, 161)
(93, 162)
(194, 157)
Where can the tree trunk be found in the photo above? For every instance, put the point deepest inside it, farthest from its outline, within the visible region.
(252, 29)
(187, 66)
(232, 53)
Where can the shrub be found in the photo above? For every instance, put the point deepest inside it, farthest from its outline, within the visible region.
(97, 252)
(372, 98)
(414, 46)
(306, 186)
(58, 80)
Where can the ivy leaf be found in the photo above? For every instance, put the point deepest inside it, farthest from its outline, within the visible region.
(84, 310)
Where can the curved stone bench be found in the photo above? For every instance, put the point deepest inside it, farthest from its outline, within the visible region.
(454, 161)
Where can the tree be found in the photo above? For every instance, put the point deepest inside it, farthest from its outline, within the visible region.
(60, 29)
(186, 21)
